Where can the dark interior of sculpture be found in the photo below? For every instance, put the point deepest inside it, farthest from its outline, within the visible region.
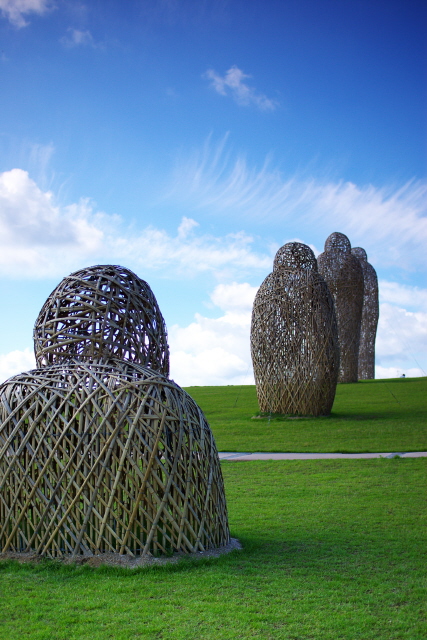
(99, 454)
(370, 314)
(344, 277)
(294, 340)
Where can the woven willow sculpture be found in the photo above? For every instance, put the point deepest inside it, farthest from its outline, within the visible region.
(344, 277)
(294, 340)
(370, 314)
(101, 454)
(105, 311)
(106, 458)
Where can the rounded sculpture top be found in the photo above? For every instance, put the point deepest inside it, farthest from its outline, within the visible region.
(338, 242)
(360, 253)
(104, 311)
(294, 256)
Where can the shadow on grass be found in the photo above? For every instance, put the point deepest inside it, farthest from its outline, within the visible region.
(334, 415)
(317, 555)
(55, 568)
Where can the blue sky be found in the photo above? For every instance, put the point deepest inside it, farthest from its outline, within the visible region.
(189, 140)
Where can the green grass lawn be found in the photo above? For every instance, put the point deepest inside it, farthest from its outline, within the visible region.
(333, 550)
(368, 416)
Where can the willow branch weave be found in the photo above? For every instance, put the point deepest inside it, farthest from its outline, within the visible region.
(97, 452)
(294, 340)
(344, 277)
(106, 458)
(370, 315)
(102, 311)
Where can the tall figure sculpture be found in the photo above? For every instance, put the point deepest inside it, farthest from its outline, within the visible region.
(344, 277)
(370, 316)
(294, 340)
(99, 451)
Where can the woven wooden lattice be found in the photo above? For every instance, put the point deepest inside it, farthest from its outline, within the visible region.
(101, 458)
(102, 311)
(294, 341)
(344, 277)
(370, 315)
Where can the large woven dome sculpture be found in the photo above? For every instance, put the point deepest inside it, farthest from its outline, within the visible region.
(370, 314)
(104, 455)
(344, 277)
(294, 340)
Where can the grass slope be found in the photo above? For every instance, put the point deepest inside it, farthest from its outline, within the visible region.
(368, 416)
(333, 550)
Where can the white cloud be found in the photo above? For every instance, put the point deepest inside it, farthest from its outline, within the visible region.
(390, 222)
(189, 253)
(16, 362)
(78, 38)
(216, 351)
(402, 338)
(235, 297)
(186, 226)
(39, 238)
(15, 10)
(403, 295)
(35, 234)
(397, 372)
(210, 367)
(232, 83)
(401, 343)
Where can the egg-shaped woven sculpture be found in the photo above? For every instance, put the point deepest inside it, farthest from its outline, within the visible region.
(98, 458)
(294, 342)
(370, 315)
(102, 311)
(344, 277)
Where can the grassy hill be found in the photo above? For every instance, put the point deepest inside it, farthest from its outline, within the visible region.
(368, 416)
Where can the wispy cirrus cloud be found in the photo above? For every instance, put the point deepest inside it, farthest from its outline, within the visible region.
(15, 10)
(233, 84)
(79, 38)
(390, 222)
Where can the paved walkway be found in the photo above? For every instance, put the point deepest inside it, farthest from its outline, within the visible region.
(238, 457)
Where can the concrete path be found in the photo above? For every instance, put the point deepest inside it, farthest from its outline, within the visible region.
(238, 457)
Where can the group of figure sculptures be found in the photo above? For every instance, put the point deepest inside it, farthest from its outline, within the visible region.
(313, 324)
(100, 452)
